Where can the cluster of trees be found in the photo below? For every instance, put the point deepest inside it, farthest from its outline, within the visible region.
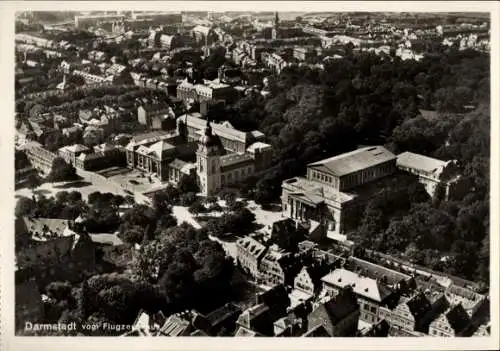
(61, 171)
(187, 266)
(450, 236)
(239, 222)
(65, 205)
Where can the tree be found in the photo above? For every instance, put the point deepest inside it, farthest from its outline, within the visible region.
(188, 184)
(25, 207)
(61, 171)
(197, 208)
(33, 181)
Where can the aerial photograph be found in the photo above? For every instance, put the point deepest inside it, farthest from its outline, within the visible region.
(252, 174)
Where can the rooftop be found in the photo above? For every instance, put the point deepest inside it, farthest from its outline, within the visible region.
(421, 162)
(313, 191)
(251, 245)
(354, 161)
(363, 286)
(234, 159)
(196, 122)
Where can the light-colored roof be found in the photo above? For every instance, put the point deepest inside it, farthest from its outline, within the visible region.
(258, 146)
(252, 246)
(54, 228)
(175, 326)
(160, 147)
(301, 185)
(200, 124)
(354, 161)
(201, 29)
(421, 162)
(362, 286)
(76, 148)
(177, 164)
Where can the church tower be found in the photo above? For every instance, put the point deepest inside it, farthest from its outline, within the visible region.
(275, 30)
(208, 161)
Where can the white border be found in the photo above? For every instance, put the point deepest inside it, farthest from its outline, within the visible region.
(7, 204)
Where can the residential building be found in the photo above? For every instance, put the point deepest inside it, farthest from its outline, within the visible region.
(274, 266)
(250, 253)
(259, 319)
(102, 156)
(410, 313)
(372, 294)
(309, 278)
(304, 53)
(339, 315)
(335, 189)
(451, 323)
(156, 116)
(147, 324)
(433, 174)
(39, 157)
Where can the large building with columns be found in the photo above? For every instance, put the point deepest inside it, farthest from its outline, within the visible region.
(219, 154)
(334, 188)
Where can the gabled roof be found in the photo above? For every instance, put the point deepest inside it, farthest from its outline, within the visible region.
(375, 271)
(363, 286)
(354, 161)
(252, 246)
(244, 332)
(176, 326)
(159, 148)
(421, 162)
(457, 317)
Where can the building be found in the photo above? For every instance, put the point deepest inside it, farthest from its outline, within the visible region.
(249, 254)
(335, 188)
(94, 79)
(86, 21)
(154, 152)
(259, 319)
(309, 278)
(274, 266)
(339, 315)
(224, 156)
(39, 157)
(304, 53)
(155, 116)
(209, 91)
(451, 323)
(410, 314)
(433, 174)
(48, 241)
(71, 153)
(371, 293)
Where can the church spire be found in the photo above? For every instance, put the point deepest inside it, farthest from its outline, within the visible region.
(276, 19)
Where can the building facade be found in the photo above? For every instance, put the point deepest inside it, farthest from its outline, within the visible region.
(330, 193)
(434, 174)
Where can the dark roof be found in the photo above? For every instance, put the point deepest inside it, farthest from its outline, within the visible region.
(223, 313)
(419, 305)
(341, 305)
(458, 318)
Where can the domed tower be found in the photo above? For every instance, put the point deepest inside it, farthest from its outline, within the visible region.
(208, 161)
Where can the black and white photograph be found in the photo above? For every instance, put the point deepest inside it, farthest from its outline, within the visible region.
(252, 173)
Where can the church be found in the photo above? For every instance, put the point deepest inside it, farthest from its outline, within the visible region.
(217, 153)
